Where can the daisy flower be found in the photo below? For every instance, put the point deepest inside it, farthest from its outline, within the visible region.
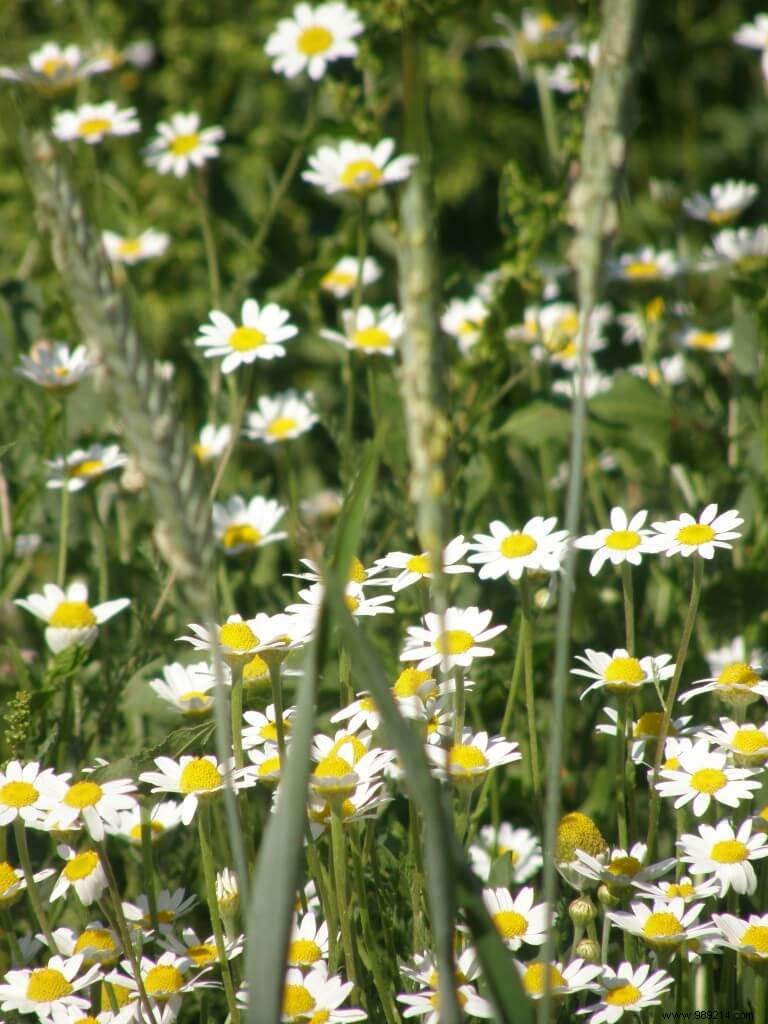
(360, 714)
(341, 279)
(13, 883)
(725, 201)
(52, 67)
(645, 730)
(425, 1003)
(308, 944)
(725, 854)
(369, 331)
(82, 872)
(736, 245)
(703, 775)
(577, 831)
(595, 383)
(70, 619)
(463, 320)
(620, 672)
(684, 889)
(737, 683)
(647, 265)
(164, 982)
(267, 763)
(76, 470)
(187, 688)
(236, 637)
(687, 536)
(259, 336)
(621, 868)
(357, 167)
(26, 792)
(746, 743)
(468, 762)
(518, 847)
(564, 979)
(511, 552)
(97, 943)
(261, 729)
(337, 775)
(754, 35)
(317, 994)
(413, 568)
(162, 817)
(41, 989)
(181, 143)
(170, 906)
(312, 38)
(281, 418)
(706, 341)
(89, 804)
(131, 249)
(627, 989)
(517, 920)
(557, 328)
(670, 369)
(212, 442)
(749, 938)
(200, 952)
(196, 778)
(240, 526)
(93, 122)
(666, 924)
(354, 598)
(451, 641)
(624, 541)
(52, 365)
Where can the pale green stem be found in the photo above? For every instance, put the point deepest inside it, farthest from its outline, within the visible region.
(148, 867)
(29, 877)
(209, 243)
(759, 995)
(690, 618)
(277, 699)
(459, 705)
(621, 772)
(236, 712)
(13, 944)
(605, 940)
(340, 878)
(548, 115)
(530, 700)
(225, 590)
(629, 607)
(61, 570)
(209, 876)
(324, 892)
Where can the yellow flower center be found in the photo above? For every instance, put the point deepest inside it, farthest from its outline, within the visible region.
(671, 764)
(155, 829)
(303, 951)
(120, 993)
(238, 636)
(94, 126)
(708, 780)
(183, 144)
(320, 1017)
(371, 338)
(254, 669)
(243, 339)
(269, 766)
(453, 641)
(352, 603)
(81, 866)
(240, 534)
(196, 702)
(313, 40)
(661, 926)
(72, 615)
(738, 674)
(8, 877)
(52, 66)
(337, 279)
(639, 269)
(466, 760)
(129, 247)
(654, 310)
(720, 217)
(702, 339)
(95, 939)
(296, 1000)
(729, 851)
(199, 775)
(83, 794)
(517, 545)
(578, 832)
(648, 724)
(534, 976)
(163, 981)
(623, 995)
(622, 540)
(545, 22)
(282, 426)
(419, 564)
(683, 889)
(749, 741)
(356, 573)
(409, 681)
(202, 955)
(510, 924)
(756, 936)
(18, 794)
(88, 467)
(467, 327)
(46, 985)
(698, 533)
(333, 766)
(353, 745)
(360, 174)
(624, 670)
(624, 866)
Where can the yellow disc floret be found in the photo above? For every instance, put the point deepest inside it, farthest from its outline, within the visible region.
(199, 775)
(517, 545)
(46, 985)
(163, 981)
(72, 615)
(81, 866)
(83, 794)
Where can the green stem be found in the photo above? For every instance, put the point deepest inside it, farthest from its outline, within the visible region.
(209, 876)
(148, 867)
(324, 892)
(759, 995)
(621, 774)
(13, 944)
(629, 607)
(277, 699)
(340, 878)
(29, 877)
(102, 556)
(690, 618)
(61, 569)
(459, 705)
(548, 116)
(605, 940)
(527, 643)
(236, 713)
(209, 243)
(380, 979)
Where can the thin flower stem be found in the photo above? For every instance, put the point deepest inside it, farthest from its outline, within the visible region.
(621, 773)
(459, 705)
(10, 934)
(236, 712)
(548, 116)
(527, 644)
(61, 571)
(690, 618)
(759, 994)
(380, 979)
(324, 892)
(200, 194)
(276, 683)
(209, 876)
(29, 877)
(605, 940)
(339, 856)
(148, 867)
(629, 607)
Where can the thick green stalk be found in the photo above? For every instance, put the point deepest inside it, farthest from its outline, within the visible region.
(209, 877)
(29, 877)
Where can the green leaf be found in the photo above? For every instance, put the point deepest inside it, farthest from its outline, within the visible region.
(635, 406)
(537, 423)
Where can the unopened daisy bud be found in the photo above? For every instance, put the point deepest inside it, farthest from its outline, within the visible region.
(608, 897)
(227, 892)
(582, 911)
(589, 951)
